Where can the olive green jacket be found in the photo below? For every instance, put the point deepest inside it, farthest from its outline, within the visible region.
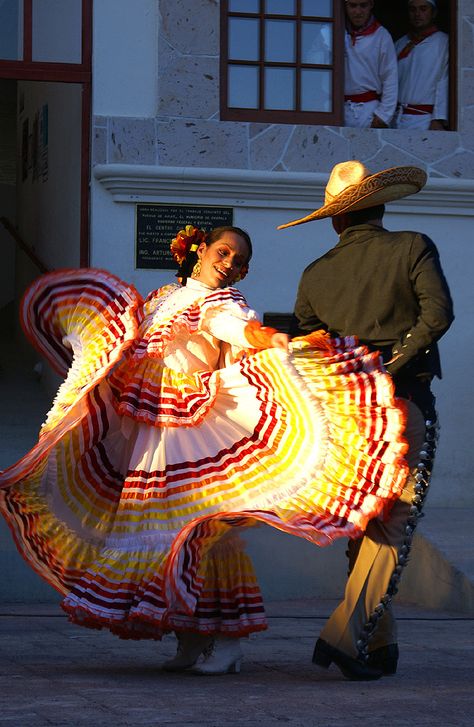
(386, 288)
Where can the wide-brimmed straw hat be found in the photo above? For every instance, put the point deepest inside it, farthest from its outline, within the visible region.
(352, 187)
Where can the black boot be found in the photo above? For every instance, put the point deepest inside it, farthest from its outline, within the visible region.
(351, 668)
(384, 658)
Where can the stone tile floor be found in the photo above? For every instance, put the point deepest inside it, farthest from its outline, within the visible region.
(54, 673)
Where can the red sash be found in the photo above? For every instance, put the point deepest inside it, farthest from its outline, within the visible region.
(363, 97)
(370, 28)
(414, 40)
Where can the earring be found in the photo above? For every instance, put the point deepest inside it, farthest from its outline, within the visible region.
(196, 270)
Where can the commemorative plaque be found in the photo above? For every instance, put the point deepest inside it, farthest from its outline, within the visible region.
(157, 224)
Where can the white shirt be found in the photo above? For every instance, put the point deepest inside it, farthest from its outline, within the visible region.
(211, 339)
(423, 73)
(371, 65)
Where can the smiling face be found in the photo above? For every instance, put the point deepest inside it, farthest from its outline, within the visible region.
(421, 15)
(358, 12)
(222, 261)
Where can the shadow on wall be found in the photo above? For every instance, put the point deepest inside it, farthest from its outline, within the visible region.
(289, 567)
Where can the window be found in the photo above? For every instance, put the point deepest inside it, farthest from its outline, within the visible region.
(11, 30)
(281, 60)
(46, 39)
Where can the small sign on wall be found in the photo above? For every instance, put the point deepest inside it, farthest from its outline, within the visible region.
(157, 224)
(34, 146)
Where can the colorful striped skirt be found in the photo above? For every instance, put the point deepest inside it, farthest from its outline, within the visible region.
(138, 525)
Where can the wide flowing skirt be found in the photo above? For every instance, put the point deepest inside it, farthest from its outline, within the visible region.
(138, 525)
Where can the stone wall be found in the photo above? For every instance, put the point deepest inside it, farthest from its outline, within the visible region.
(187, 132)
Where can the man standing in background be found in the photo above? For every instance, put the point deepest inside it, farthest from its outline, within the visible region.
(371, 81)
(423, 63)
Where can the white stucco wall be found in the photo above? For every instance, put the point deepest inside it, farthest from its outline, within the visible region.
(125, 57)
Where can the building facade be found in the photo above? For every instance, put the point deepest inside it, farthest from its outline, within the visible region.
(152, 132)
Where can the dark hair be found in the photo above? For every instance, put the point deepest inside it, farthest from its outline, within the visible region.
(217, 233)
(359, 217)
(186, 267)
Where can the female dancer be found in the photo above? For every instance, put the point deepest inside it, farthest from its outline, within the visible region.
(182, 419)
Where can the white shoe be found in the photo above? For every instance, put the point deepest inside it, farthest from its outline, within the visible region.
(223, 658)
(190, 648)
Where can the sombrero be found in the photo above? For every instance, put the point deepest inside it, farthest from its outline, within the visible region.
(352, 187)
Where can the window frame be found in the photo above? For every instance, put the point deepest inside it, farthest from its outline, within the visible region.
(327, 118)
(55, 72)
(28, 69)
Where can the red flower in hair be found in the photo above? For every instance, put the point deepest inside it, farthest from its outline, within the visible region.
(187, 239)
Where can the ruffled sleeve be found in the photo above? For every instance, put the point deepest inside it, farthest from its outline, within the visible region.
(222, 313)
(167, 378)
(233, 322)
